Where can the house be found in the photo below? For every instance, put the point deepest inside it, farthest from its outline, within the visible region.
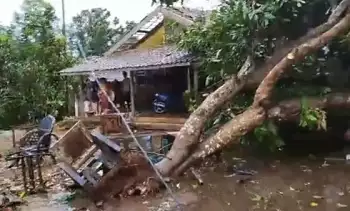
(153, 64)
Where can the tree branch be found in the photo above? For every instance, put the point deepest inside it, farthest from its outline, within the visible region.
(263, 92)
(189, 134)
(255, 79)
(288, 110)
(255, 115)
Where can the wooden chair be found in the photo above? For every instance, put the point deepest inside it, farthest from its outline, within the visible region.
(87, 176)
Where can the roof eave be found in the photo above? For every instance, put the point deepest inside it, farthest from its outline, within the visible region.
(128, 69)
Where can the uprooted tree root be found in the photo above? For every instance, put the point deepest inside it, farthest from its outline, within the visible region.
(134, 176)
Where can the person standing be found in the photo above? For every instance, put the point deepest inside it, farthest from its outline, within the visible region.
(126, 89)
(104, 104)
(91, 97)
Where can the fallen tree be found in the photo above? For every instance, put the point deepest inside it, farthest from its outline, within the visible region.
(185, 145)
(188, 147)
(257, 113)
(288, 110)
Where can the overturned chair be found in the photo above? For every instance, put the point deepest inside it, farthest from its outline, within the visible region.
(34, 145)
(92, 171)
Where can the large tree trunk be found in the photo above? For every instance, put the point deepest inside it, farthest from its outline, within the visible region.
(193, 127)
(256, 114)
(189, 134)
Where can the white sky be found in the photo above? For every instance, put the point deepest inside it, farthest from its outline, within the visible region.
(133, 10)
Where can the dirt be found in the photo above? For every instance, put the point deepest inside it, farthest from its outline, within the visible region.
(277, 185)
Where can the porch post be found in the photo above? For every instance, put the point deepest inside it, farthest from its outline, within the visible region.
(76, 105)
(195, 81)
(79, 99)
(132, 94)
(189, 79)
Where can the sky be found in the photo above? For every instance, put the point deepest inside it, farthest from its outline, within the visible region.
(129, 10)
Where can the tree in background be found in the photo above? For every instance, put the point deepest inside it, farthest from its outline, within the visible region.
(32, 52)
(32, 55)
(95, 32)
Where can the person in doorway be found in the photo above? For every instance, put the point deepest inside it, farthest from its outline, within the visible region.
(126, 90)
(111, 95)
(104, 104)
(91, 98)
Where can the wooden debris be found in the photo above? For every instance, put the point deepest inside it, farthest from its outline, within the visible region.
(197, 176)
(75, 143)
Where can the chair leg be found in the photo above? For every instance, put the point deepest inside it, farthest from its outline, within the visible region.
(24, 175)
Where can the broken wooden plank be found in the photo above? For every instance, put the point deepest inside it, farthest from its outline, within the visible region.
(72, 173)
(156, 126)
(85, 157)
(112, 123)
(75, 143)
(160, 119)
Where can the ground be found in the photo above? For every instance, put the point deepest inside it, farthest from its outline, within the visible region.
(277, 185)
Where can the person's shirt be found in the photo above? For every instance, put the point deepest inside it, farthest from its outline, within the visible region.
(126, 85)
(103, 100)
(91, 92)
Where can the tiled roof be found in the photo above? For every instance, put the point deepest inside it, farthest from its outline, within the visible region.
(138, 59)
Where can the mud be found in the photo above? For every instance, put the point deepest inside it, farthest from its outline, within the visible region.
(279, 185)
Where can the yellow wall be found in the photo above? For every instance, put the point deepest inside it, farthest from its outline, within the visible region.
(155, 40)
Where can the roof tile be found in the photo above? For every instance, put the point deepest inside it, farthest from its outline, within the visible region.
(137, 59)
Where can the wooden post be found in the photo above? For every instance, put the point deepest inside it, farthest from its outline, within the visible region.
(189, 79)
(195, 82)
(76, 105)
(81, 98)
(13, 137)
(132, 93)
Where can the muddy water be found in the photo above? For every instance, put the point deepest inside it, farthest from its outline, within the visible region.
(278, 185)
(302, 185)
(286, 185)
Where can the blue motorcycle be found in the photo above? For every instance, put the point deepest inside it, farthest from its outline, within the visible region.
(163, 103)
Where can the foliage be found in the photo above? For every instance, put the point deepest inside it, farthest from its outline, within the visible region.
(173, 31)
(264, 138)
(190, 101)
(267, 135)
(237, 29)
(312, 118)
(258, 28)
(31, 56)
(93, 30)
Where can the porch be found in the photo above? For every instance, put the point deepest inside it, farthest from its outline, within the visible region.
(163, 70)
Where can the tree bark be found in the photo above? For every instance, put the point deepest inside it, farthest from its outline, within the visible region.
(189, 134)
(256, 114)
(289, 110)
(229, 133)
